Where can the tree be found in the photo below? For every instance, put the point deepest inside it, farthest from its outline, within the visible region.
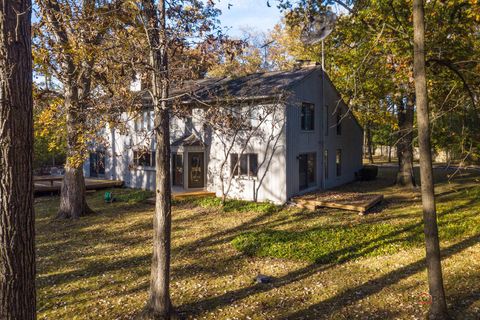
(17, 251)
(159, 305)
(73, 42)
(438, 308)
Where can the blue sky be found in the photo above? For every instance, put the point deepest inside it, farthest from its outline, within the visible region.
(248, 14)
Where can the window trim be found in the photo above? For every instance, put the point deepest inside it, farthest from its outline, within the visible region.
(302, 117)
(314, 182)
(325, 164)
(151, 154)
(327, 120)
(338, 163)
(235, 165)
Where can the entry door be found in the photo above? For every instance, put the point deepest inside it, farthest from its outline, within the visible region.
(196, 170)
(303, 171)
(306, 172)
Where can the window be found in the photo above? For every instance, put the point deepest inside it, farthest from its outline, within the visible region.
(327, 123)
(138, 123)
(247, 166)
(339, 122)
(143, 121)
(307, 117)
(149, 120)
(338, 162)
(325, 162)
(252, 165)
(177, 168)
(144, 158)
(307, 172)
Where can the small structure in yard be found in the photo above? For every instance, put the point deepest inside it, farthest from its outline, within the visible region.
(352, 201)
(53, 184)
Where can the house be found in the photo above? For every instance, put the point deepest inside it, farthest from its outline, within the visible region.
(262, 137)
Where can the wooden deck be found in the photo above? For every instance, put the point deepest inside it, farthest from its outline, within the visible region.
(182, 194)
(338, 200)
(43, 186)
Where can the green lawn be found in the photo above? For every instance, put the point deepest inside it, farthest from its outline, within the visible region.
(327, 264)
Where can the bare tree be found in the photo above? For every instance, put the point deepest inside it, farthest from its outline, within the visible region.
(159, 305)
(238, 126)
(438, 308)
(17, 252)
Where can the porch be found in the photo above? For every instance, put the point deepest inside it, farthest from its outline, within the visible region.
(53, 184)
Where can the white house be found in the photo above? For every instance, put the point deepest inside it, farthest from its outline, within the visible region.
(296, 135)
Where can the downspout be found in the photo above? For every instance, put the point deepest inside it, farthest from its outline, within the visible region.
(322, 122)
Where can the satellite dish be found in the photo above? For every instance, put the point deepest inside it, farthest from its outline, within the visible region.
(318, 28)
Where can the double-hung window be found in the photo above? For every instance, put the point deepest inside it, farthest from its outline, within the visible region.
(245, 165)
(338, 162)
(339, 122)
(144, 158)
(307, 117)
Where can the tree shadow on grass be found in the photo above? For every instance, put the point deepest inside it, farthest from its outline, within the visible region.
(328, 306)
(343, 255)
(374, 286)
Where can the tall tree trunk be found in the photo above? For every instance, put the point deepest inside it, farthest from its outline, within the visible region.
(73, 202)
(438, 308)
(159, 305)
(17, 251)
(405, 176)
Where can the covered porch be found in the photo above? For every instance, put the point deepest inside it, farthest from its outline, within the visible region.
(189, 165)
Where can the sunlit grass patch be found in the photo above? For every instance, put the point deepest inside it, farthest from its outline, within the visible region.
(98, 267)
(339, 243)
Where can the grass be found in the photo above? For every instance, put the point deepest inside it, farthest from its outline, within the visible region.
(336, 244)
(327, 264)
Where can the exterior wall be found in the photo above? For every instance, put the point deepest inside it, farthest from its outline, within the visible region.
(278, 164)
(350, 141)
(270, 182)
(298, 141)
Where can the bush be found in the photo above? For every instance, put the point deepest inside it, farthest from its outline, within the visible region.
(230, 205)
(368, 173)
(130, 196)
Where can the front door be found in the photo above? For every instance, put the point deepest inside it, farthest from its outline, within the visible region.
(196, 170)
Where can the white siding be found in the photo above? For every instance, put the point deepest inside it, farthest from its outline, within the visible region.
(278, 174)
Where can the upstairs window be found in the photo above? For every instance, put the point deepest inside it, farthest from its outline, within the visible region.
(246, 166)
(327, 123)
(339, 122)
(144, 158)
(307, 117)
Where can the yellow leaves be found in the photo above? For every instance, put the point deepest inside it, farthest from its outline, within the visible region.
(50, 124)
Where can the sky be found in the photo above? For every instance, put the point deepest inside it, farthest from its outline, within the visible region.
(248, 15)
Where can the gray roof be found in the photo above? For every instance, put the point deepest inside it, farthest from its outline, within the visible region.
(256, 85)
(188, 140)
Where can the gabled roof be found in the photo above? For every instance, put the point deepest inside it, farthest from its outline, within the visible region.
(188, 141)
(252, 86)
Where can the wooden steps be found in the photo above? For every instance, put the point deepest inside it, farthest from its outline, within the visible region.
(312, 201)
